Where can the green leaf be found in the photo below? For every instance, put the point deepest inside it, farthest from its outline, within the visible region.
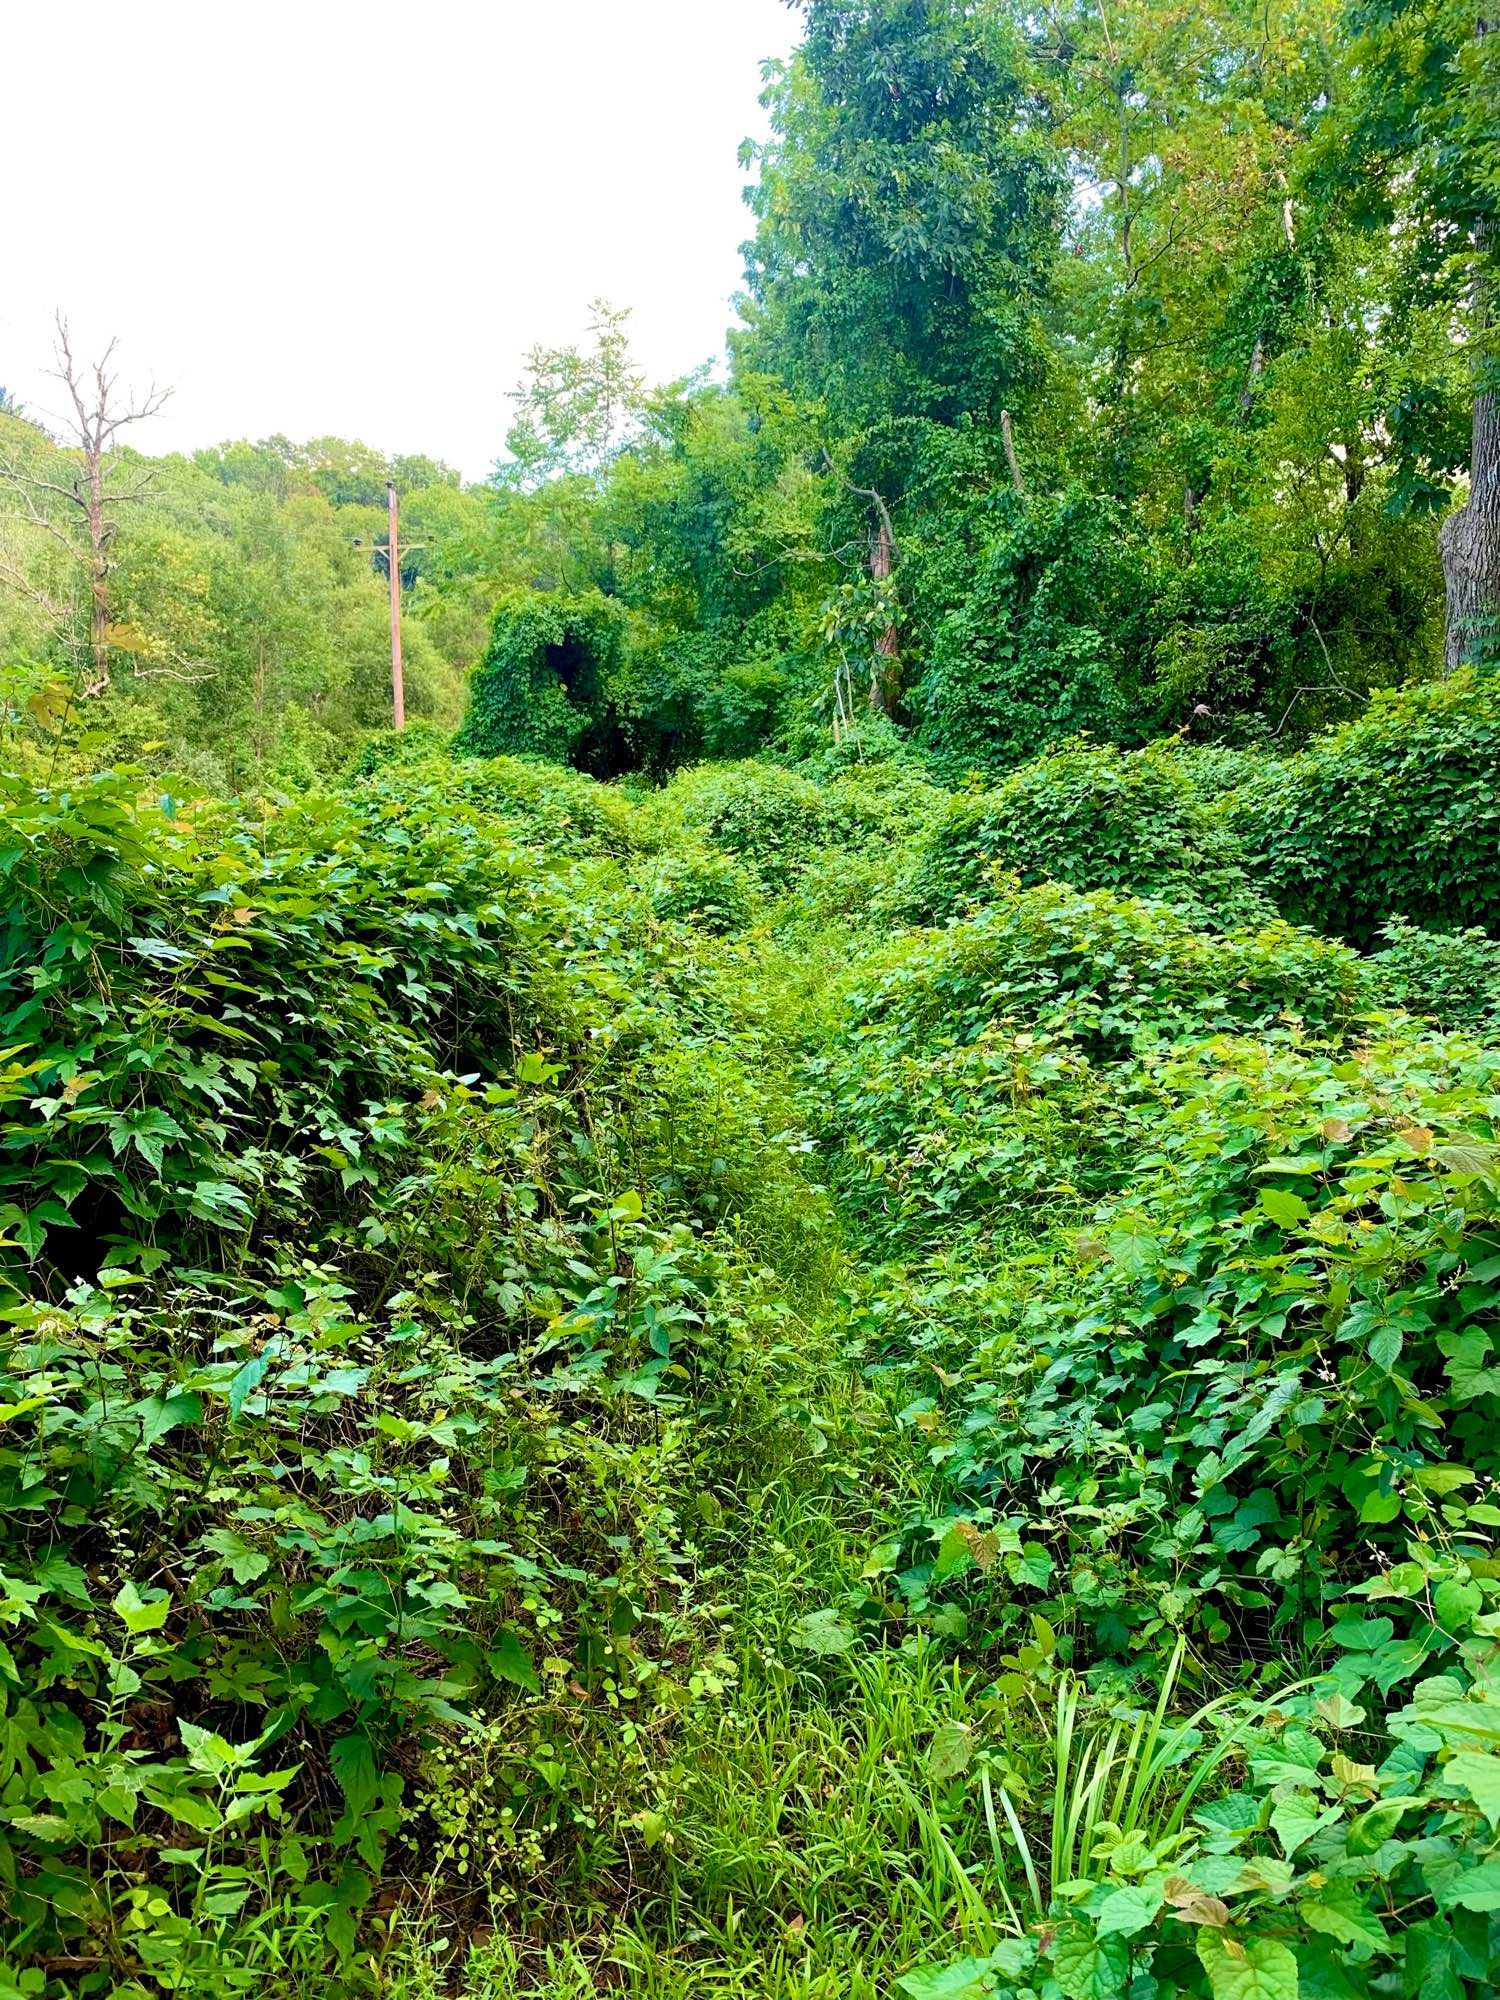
(1295, 1819)
(245, 1382)
(1089, 1967)
(964, 1979)
(950, 1752)
(1285, 1209)
(159, 1415)
(141, 1614)
(1241, 1968)
(245, 1563)
(822, 1632)
(1370, 1830)
(1429, 1972)
(354, 1767)
(1341, 1912)
(1128, 1910)
(1476, 1772)
(206, 1752)
(509, 1661)
(1457, 1605)
(1476, 1889)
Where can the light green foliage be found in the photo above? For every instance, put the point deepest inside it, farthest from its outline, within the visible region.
(250, 639)
(575, 406)
(585, 1406)
(705, 888)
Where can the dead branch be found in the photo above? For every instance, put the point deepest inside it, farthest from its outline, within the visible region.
(1010, 454)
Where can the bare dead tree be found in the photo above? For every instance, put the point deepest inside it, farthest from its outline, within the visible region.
(885, 669)
(91, 497)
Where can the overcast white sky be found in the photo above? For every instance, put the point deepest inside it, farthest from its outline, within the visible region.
(312, 216)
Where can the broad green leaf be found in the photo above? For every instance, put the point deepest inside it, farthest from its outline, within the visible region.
(1340, 1911)
(244, 1383)
(1245, 1967)
(1285, 1209)
(1476, 1772)
(964, 1979)
(510, 1661)
(1088, 1967)
(822, 1632)
(950, 1752)
(352, 1761)
(141, 1614)
(1128, 1910)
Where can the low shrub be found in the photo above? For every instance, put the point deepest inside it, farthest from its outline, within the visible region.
(1113, 973)
(772, 820)
(415, 744)
(702, 888)
(1397, 814)
(1260, 1377)
(1095, 819)
(561, 811)
(1454, 976)
(351, 1276)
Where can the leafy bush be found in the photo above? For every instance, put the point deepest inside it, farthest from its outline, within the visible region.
(705, 889)
(1243, 1849)
(773, 820)
(1034, 647)
(1112, 973)
(1213, 770)
(348, 1265)
(1452, 975)
(1262, 1377)
(544, 686)
(414, 744)
(1397, 814)
(1095, 819)
(562, 811)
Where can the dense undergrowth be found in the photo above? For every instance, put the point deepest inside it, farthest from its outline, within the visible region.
(795, 1385)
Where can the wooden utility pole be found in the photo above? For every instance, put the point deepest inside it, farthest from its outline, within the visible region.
(393, 563)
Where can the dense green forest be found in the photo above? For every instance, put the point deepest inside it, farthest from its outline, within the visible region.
(800, 1301)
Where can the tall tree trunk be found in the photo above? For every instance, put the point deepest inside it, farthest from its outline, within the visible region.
(1470, 542)
(1470, 539)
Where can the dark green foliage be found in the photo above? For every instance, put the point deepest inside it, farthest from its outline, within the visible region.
(903, 214)
(678, 701)
(414, 744)
(545, 686)
(559, 810)
(1398, 814)
(773, 820)
(1035, 643)
(1095, 819)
